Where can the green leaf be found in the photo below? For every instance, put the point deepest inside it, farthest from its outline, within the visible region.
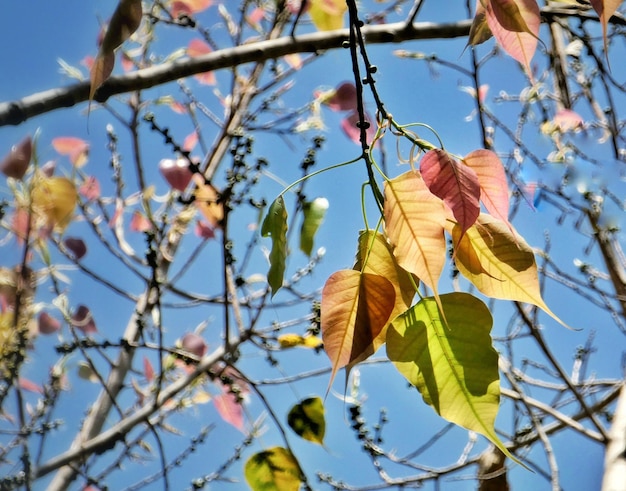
(307, 420)
(314, 212)
(275, 226)
(275, 469)
(453, 363)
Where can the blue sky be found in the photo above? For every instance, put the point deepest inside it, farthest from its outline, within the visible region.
(412, 94)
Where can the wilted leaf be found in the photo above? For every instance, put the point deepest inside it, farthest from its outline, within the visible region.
(314, 212)
(55, 199)
(355, 308)
(306, 419)
(492, 179)
(275, 469)
(455, 183)
(506, 267)
(15, 163)
(275, 226)
(452, 363)
(415, 221)
(327, 15)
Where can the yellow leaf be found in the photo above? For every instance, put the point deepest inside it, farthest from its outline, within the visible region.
(290, 340)
(207, 202)
(327, 15)
(499, 263)
(275, 469)
(55, 199)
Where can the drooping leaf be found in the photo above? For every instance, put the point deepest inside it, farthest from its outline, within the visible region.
(275, 469)
(492, 179)
(415, 220)
(479, 30)
(452, 363)
(275, 226)
(55, 199)
(307, 420)
(520, 45)
(229, 408)
(375, 256)
(605, 9)
(314, 212)
(455, 183)
(506, 266)
(124, 22)
(327, 15)
(355, 308)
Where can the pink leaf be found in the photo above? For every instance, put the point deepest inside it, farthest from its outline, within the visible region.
(76, 149)
(148, 370)
(190, 141)
(29, 385)
(194, 344)
(176, 172)
(139, 223)
(46, 324)
(455, 183)
(90, 189)
(204, 230)
(83, 320)
(229, 409)
(493, 183)
(189, 7)
(197, 47)
(352, 131)
(344, 98)
(567, 120)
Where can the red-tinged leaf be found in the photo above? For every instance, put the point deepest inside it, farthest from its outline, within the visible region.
(207, 202)
(19, 224)
(15, 163)
(479, 30)
(83, 320)
(493, 184)
(76, 149)
(178, 108)
(229, 409)
(190, 141)
(455, 183)
(204, 230)
(508, 15)
(29, 385)
(350, 127)
(605, 9)
(343, 98)
(127, 63)
(197, 47)
(46, 324)
(76, 246)
(415, 220)
(148, 370)
(176, 172)
(124, 22)
(256, 16)
(194, 344)
(355, 308)
(567, 120)
(48, 168)
(90, 189)
(519, 45)
(189, 7)
(139, 223)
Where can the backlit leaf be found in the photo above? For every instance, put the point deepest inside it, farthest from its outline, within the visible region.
(455, 183)
(306, 419)
(415, 221)
(605, 9)
(327, 15)
(499, 263)
(55, 199)
(479, 30)
(229, 408)
(207, 202)
(275, 226)
(355, 308)
(275, 469)
(75, 148)
(189, 7)
(492, 179)
(314, 212)
(452, 364)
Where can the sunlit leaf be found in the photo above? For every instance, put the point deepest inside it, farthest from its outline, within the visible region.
(355, 308)
(455, 183)
(525, 15)
(229, 408)
(605, 9)
(492, 179)
(506, 266)
(189, 7)
(275, 226)
(375, 256)
(479, 30)
(207, 202)
(314, 212)
(452, 363)
(275, 469)
(415, 221)
(306, 419)
(327, 15)
(197, 47)
(139, 223)
(176, 172)
(75, 148)
(54, 198)
(90, 189)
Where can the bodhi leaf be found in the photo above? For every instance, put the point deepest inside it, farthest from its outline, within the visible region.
(479, 30)
(314, 212)
(307, 420)
(375, 256)
(123, 24)
(327, 15)
(275, 226)
(494, 192)
(355, 308)
(605, 9)
(275, 469)
(415, 220)
(452, 364)
(499, 263)
(455, 183)
(54, 198)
